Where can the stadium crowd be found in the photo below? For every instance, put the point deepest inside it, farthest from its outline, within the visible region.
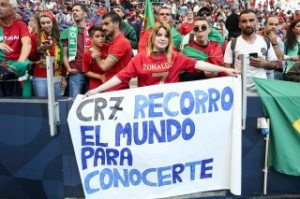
(95, 41)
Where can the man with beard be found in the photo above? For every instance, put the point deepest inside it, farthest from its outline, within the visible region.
(74, 40)
(270, 32)
(260, 56)
(119, 52)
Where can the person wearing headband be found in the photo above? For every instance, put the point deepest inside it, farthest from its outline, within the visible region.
(46, 43)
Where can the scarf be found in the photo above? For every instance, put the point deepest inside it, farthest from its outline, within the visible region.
(2, 54)
(54, 48)
(72, 42)
(55, 51)
(71, 34)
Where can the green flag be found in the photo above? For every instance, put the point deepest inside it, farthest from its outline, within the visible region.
(149, 19)
(177, 38)
(214, 35)
(281, 101)
(194, 53)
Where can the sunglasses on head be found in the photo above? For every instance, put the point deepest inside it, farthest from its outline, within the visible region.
(200, 29)
(167, 14)
(204, 13)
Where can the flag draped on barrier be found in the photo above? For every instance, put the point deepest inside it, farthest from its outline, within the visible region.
(281, 101)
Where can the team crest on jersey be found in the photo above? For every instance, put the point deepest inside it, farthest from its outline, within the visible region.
(263, 51)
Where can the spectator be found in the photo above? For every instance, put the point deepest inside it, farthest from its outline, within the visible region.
(147, 66)
(15, 44)
(214, 35)
(231, 24)
(68, 16)
(250, 42)
(174, 10)
(202, 49)
(46, 43)
(119, 53)
(196, 8)
(60, 17)
(136, 21)
(270, 32)
(296, 14)
(19, 16)
(188, 25)
(126, 28)
(219, 25)
(90, 67)
(292, 45)
(32, 25)
(164, 15)
(75, 39)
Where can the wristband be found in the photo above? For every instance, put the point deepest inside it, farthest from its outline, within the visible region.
(274, 44)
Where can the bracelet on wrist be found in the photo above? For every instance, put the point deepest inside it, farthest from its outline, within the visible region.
(274, 44)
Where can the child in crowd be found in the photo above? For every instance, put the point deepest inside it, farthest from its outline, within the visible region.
(90, 67)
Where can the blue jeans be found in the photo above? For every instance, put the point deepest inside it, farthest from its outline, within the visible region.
(40, 87)
(77, 84)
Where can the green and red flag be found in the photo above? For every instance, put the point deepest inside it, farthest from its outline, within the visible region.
(194, 53)
(281, 102)
(149, 19)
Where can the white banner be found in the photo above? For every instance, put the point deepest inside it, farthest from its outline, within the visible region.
(159, 141)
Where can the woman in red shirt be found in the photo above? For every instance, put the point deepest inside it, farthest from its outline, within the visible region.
(160, 64)
(45, 43)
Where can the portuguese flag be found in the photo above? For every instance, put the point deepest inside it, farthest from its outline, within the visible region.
(149, 19)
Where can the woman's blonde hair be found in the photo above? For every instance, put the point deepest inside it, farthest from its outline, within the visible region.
(169, 48)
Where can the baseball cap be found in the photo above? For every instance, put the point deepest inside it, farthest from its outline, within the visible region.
(204, 9)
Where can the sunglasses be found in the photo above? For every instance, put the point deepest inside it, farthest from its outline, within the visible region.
(204, 13)
(200, 29)
(167, 14)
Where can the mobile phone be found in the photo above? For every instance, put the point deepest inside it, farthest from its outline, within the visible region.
(46, 42)
(254, 55)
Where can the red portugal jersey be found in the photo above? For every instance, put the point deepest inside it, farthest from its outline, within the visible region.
(119, 50)
(89, 64)
(12, 36)
(185, 28)
(155, 69)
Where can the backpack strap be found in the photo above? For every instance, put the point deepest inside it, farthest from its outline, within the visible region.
(285, 64)
(233, 44)
(191, 38)
(232, 47)
(268, 45)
